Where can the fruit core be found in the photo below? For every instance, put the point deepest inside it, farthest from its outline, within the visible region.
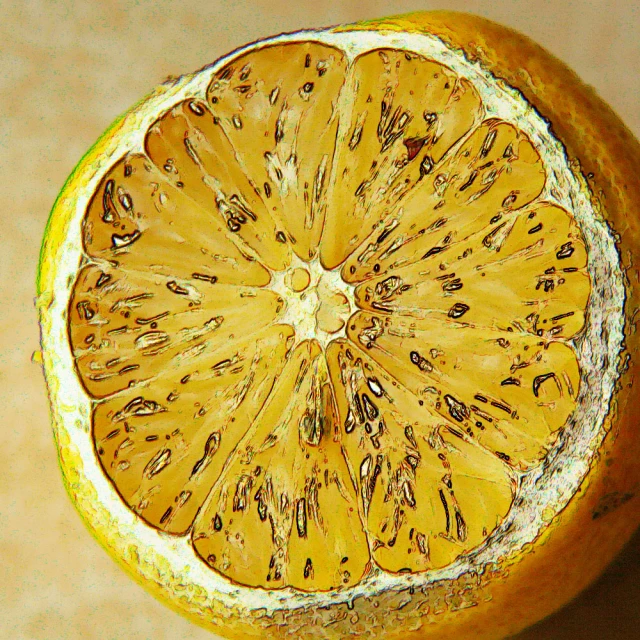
(317, 301)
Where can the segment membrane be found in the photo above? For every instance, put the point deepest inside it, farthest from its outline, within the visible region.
(277, 108)
(426, 494)
(403, 112)
(284, 511)
(507, 390)
(163, 445)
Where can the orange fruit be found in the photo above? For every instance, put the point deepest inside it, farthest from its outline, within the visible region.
(339, 334)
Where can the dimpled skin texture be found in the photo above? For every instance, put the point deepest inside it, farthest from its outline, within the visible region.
(580, 542)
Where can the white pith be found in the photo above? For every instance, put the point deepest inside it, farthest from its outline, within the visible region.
(543, 492)
(301, 310)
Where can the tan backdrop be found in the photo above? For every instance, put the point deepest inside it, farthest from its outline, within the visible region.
(67, 69)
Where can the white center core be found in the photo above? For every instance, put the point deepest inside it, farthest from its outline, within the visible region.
(318, 302)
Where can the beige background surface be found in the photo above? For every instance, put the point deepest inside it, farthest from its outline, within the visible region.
(67, 69)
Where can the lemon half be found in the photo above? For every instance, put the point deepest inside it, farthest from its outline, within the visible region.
(334, 332)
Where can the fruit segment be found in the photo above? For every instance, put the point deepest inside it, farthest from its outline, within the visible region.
(284, 511)
(190, 148)
(164, 444)
(402, 113)
(426, 494)
(524, 271)
(139, 220)
(509, 391)
(277, 107)
(494, 171)
(128, 327)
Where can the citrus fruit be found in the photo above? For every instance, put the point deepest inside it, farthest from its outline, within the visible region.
(339, 334)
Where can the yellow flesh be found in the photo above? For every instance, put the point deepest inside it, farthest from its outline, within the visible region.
(396, 440)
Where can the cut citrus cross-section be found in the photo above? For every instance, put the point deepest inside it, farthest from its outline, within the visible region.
(208, 395)
(341, 320)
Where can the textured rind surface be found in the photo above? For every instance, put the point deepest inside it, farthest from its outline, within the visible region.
(581, 541)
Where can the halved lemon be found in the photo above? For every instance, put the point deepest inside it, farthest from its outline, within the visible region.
(335, 330)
